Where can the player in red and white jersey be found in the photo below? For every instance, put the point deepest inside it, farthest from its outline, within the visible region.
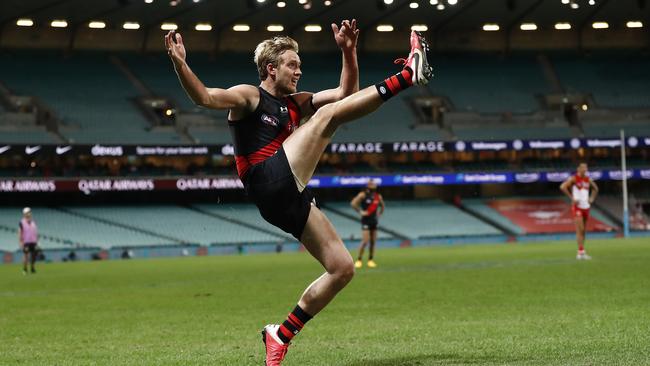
(580, 185)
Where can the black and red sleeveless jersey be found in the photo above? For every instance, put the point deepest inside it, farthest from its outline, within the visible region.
(370, 203)
(260, 134)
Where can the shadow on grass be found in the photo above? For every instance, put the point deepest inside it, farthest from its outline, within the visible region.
(431, 359)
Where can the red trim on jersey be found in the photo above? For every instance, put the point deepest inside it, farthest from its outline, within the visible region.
(246, 162)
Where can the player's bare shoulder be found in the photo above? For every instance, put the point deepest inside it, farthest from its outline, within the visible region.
(250, 98)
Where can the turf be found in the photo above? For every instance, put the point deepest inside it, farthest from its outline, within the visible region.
(524, 304)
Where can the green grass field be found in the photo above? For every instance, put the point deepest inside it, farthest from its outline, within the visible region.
(524, 304)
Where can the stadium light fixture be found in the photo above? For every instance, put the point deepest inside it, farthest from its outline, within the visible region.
(452, 2)
(24, 22)
(169, 26)
(313, 28)
(433, 2)
(96, 24)
(261, 1)
(275, 28)
(148, 1)
(302, 2)
(600, 25)
(528, 26)
(388, 2)
(241, 27)
(574, 6)
(203, 27)
(565, 2)
(414, 5)
(563, 26)
(440, 6)
(327, 2)
(58, 23)
(585, 107)
(592, 2)
(131, 25)
(280, 4)
(634, 24)
(491, 27)
(384, 28)
(419, 27)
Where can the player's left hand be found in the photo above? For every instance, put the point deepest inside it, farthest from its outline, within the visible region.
(346, 36)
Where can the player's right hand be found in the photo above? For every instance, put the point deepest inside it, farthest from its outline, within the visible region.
(363, 213)
(175, 50)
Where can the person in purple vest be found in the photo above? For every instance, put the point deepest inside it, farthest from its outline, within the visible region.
(28, 238)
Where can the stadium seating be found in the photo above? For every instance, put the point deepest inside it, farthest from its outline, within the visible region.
(179, 223)
(217, 134)
(9, 219)
(348, 226)
(242, 212)
(613, 128)
(510, 131)
(82, 231)
(487, 83)
(86, 91)
(480, 207)
(616, 79)
(36, 135)
(98, 107)
(429, 218)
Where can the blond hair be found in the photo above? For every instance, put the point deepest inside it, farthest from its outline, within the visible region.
(269, 51)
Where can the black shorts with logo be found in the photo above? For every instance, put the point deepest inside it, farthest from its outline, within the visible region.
(29, 248)
(369, 222)
(272, 187)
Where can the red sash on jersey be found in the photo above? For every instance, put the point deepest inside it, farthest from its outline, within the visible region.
(372, 208)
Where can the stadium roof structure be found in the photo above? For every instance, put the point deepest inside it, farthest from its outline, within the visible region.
(295, 14)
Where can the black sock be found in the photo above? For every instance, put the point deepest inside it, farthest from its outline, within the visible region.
(293, 324)
(394, 84)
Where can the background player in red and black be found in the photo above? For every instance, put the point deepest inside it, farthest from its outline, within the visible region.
(370, 205)
(276, 155)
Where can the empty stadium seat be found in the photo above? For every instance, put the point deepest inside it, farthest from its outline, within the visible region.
(617, 79)
(487, 83)
(87, 92)
(179, 223)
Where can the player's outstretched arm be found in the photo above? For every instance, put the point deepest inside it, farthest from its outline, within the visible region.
(346, 38)
(564, 187)
(594, 191)
(238, 97)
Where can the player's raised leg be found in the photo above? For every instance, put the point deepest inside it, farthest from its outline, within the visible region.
(306, 145)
